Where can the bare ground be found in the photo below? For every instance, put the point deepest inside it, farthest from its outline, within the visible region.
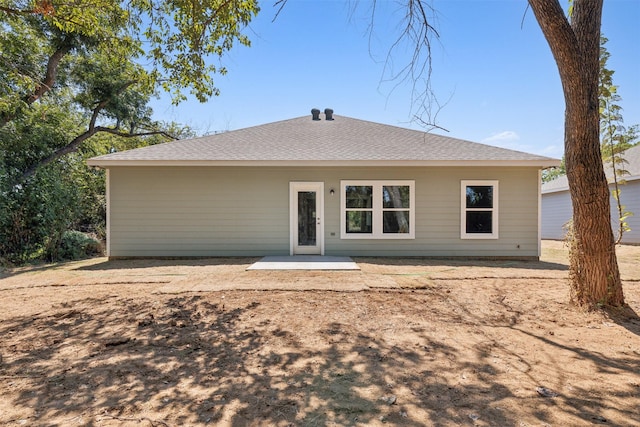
(403, 342)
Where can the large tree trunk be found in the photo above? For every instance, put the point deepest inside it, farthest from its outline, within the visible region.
(594, 275)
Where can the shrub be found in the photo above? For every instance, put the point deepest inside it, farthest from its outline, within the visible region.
(75, 245)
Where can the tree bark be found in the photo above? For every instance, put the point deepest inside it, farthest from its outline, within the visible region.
(594, 275)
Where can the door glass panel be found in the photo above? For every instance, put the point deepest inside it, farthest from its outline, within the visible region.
(306, 218)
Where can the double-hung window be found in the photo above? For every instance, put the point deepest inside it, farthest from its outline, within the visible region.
(377, 210)
(479, 210)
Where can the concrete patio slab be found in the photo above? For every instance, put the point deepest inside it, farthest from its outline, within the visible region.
(304, 262)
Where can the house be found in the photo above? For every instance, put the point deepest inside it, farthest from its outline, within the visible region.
(557, 209)
(323, 184)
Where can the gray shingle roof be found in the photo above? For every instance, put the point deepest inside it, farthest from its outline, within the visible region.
(341, 141)
(631, 156)
(560, 183)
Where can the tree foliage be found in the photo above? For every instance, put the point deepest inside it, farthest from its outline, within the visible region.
(113, 56)
(177, 40)
(552, 173)
(74, 70)
(615, 138)
(34, 214)
(37, 214)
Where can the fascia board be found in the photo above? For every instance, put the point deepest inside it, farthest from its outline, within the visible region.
(106, 163)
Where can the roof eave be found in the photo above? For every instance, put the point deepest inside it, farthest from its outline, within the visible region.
(540, 163)
(566, 187)
(555, 190)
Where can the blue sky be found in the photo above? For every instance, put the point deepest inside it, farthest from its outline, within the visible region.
(492, 71)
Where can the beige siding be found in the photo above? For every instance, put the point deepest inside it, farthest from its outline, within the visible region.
(207, 211)
(197, 212)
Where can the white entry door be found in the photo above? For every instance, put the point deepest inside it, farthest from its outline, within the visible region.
(307, 218)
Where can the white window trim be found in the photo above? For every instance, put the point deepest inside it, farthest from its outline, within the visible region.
(463, 210)
(377, 210)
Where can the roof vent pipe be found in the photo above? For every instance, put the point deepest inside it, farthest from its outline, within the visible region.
(328, 112)
(315, 114)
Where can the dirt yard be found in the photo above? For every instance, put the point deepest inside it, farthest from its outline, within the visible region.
(409, 342)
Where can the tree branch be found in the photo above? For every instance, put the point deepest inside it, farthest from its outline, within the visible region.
(418, 31)
(115, 131)
(280, 4)
(49, 78)
(205, 25)
(52, 70)
(92, 129)
(77, 141)
(103, 103)
(11, 11)
(559, 35)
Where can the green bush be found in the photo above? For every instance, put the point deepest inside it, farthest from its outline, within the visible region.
(76, 245)
(34, 215)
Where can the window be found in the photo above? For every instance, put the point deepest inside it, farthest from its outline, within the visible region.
(377, 210)
(479, 212)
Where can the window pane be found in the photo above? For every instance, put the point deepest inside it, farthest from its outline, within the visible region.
(480, 196)
(395, 196)
(359, 222)
(359, 196)
(396, 222)
(479, 222)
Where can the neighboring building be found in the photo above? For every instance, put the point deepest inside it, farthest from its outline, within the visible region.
(557, 209)
(325, 185)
